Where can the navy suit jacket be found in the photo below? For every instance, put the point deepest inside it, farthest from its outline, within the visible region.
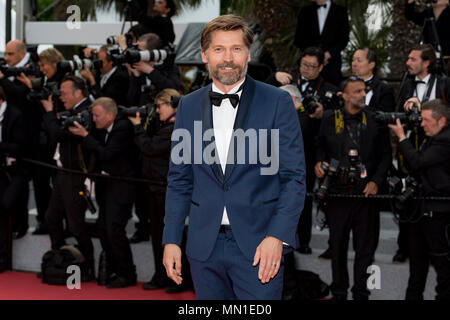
(257, 205)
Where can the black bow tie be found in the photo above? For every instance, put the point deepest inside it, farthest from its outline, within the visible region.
(419, 81)
(216, 97)
(318, 6)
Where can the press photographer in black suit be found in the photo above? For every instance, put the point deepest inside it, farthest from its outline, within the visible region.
(12, 179)
(429, 237)
(325, 25)
(112, 145)
(352, 136)
(309, 83)
(440, 11)
(112, 81)
(147, 78)
(66, 201)
(155, 155)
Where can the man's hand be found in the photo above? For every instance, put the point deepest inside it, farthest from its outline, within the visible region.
(78, 130)
(410, 103)
(268, 255)
(397, 128)
(25, 80)
(88, 52)
(318, 113)
(47, 104)
(283, 77)
(144, 67)
(87, 74)
(172, 262)
(318, 169)
(132, 71)
(135, 120)
(371, 188)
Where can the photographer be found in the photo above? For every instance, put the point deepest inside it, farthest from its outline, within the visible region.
(116, 155)
(112, 81)
(361, 147)
(440, 11)
(66, 201)
(161, 22)
(312, 88)
(147, 77)
(12, 179)
(379, 95)
(16, 56)
(155, 153)
(429, 237)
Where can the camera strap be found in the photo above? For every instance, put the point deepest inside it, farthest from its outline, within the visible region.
(81, 159)
(428, 89)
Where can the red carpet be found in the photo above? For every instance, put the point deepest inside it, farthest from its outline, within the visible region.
(26, 286)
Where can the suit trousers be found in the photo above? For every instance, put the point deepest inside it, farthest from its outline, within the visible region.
(156, 204)
(228, 275)
(305, 221)
(66, 202)
(112, 221)
(358, 216)
(4, 224)
(429, 242)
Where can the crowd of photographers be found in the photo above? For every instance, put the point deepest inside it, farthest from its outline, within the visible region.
(112, 112)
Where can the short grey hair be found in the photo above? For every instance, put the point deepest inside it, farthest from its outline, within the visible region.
(293, 91)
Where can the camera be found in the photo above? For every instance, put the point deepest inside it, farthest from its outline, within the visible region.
(310, 102)
(413, 118)
(411, 188)
(158, 56)
(68, 118)
(333, 100)
(16, 71)
(113, 39)
(354, 172)
(41, 90)
(147, 111)
(77, 64)
(330, 172)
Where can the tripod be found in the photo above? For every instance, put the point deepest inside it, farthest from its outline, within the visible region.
(429, 35)
(126, 11)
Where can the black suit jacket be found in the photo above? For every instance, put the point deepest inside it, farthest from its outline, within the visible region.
(383, 98)
(432, 163)
(374, 145)
(115, 88)
(335, 34)
(409, 86)
(69, 149)
(117, 157)
(13, 144)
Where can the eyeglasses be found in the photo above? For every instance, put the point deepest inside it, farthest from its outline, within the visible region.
(309, 66)
(158, 105)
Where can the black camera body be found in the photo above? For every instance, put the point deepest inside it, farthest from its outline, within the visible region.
(413, 119)
(147, 111)
(330, 172)
(41, 90)
(333, 100)
(310, 102)
(16, 71)
(83, 118)
(70, 66)
(128, 39)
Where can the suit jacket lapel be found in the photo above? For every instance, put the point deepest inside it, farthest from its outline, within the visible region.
(240, 121)
(207, 124)
(327, 20)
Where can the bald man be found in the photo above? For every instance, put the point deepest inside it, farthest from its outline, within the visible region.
(16, 55)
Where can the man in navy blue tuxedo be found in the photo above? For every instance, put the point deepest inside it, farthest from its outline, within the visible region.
(243, 205)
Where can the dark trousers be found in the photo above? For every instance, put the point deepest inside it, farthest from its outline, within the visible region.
(42, 180)
(142, 207)
(66, 203)
(429, 242)
(305, 221)
(156, 202)
(359, 217)
(5, 232)
(228, 275)
(112, 221)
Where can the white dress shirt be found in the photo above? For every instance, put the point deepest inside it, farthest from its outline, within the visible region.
(322, 14)
(369, 94)
(2, 116)
(223, 123)
(422, 88)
